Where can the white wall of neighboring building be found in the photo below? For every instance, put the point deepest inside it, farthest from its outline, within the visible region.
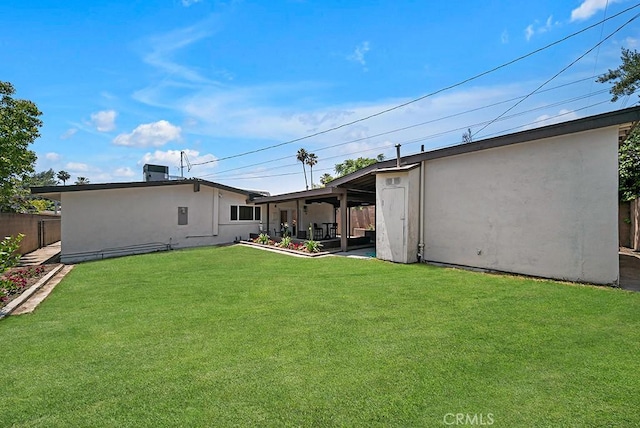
(545, 208)
(105, 219)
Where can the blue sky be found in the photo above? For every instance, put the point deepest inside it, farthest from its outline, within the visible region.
(121, 84)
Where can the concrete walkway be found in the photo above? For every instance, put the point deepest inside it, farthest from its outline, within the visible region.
(34, 300)
(41, 256)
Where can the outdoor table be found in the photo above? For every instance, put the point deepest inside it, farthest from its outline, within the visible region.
(327, 236)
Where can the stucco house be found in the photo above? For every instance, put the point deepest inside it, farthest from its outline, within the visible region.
(541, 202)
(106, 220)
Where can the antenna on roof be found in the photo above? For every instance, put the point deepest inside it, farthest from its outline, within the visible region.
(183, 158)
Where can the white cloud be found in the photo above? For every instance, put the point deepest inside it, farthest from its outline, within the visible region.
(52, 156)
(536, 28)
(77, 167)
(154, 134)
(632, 43)
(563, 115)
(588, 8)
(104, 121)
(504, 37)
(529, 32)
(163, 47)
(124, 172)
(69, 133)
(359, 53)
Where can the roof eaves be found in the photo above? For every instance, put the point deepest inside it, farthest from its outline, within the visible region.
(324, 191)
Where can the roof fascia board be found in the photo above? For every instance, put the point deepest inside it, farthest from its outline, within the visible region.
(134, 184)
(305, 194)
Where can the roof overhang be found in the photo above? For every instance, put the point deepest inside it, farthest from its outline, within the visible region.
(320, 193)
(55, 192)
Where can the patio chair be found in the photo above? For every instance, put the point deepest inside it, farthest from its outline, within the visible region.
(332, 230)
(317, 232)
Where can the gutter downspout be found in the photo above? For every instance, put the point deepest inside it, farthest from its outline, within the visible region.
(421, 210)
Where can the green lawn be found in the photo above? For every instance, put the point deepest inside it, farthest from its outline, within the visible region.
(237, 336)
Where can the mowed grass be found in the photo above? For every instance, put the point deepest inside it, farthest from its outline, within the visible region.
(236, 336)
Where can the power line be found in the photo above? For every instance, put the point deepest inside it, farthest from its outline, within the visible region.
(241, 177)
(399, 106)
(416, 125)
(439, 134)
(560, 72)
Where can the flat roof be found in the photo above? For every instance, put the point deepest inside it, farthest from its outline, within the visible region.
(359, 178)
(54, 192)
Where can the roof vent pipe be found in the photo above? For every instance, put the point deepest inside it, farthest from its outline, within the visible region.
(398, 155)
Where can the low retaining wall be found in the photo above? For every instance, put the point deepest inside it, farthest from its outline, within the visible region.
(39, 229)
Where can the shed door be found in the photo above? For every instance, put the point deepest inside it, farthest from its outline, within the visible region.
(393, 209)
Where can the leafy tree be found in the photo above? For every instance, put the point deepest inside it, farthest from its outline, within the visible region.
(625, 78)
(626, 81)
(312, 160)
(63, 176)
(629, 166)
(353, 165)
(44, 178)
(19, 127)
(325, 178)
(82, 180)
(302, 156)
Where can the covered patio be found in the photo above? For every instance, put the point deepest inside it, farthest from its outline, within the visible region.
(319, 214)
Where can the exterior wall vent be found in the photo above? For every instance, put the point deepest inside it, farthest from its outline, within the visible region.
(392, 181)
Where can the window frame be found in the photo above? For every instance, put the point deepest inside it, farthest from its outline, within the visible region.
(238, 213)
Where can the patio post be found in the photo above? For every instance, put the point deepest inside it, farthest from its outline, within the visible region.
(344, 237)
(268, 232)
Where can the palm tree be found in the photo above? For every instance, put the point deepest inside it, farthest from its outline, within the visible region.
(82, 180)
(302, 156)
(63, 176)
(312, 160)
(325, 178)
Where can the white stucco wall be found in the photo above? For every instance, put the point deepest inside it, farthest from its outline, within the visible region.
(316, 213)
(546, 208)
(114, 218)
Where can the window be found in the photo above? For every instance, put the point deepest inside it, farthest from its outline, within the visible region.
(245, 213)
(183, 215)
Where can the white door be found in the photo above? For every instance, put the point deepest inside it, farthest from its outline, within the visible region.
(393, 213)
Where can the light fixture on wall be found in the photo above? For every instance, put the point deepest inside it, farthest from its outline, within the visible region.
(304, 208)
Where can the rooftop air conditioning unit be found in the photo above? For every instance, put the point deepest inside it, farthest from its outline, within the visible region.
(155, 172)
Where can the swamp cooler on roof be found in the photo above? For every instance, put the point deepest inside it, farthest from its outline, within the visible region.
(155, 172)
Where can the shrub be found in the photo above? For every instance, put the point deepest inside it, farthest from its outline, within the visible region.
(263, 238)
(9, 256)
(285, 243)
(312, 246)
